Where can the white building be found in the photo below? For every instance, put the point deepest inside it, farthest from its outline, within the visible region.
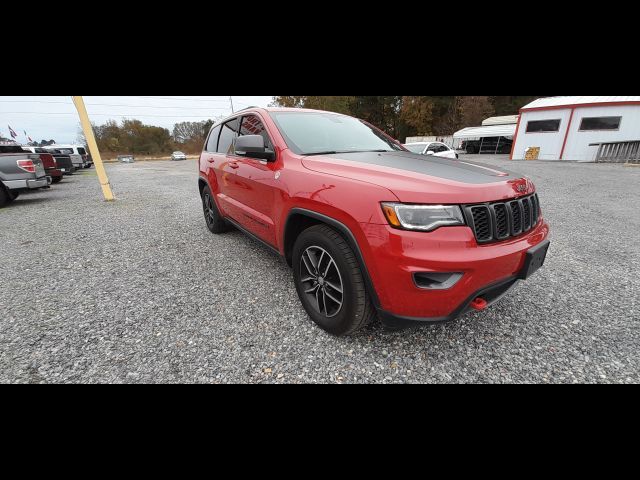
(504, 120)
(579, 128)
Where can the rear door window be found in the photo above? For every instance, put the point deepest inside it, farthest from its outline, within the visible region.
(212, 144)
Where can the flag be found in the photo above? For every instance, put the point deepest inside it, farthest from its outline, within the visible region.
(12, 132)
(28, 137)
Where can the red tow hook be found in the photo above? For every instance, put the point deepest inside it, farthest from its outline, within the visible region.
(479, 304)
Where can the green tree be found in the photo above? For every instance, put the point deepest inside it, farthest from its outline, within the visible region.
(510, 105)
(402, 116)
(328, 103)
(417, 113)
(132, 136)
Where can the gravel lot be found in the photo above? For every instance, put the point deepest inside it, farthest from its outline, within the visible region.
(140, 291)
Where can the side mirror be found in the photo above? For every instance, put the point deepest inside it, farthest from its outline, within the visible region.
(430, 152)
(252, 146)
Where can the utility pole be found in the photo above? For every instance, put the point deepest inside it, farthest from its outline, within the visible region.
(93, 148)
(231, 100)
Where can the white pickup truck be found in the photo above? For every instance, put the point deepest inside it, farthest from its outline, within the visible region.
(78, 154)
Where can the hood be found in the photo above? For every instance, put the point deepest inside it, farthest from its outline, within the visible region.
(415, 178)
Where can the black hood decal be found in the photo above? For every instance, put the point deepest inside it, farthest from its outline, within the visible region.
(449, 169)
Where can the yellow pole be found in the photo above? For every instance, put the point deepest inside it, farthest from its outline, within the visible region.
(93, 149)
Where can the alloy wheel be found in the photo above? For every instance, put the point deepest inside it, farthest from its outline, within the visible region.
(209, 211)
(321, 281)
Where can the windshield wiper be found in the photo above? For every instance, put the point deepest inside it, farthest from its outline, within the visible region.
(328, 152)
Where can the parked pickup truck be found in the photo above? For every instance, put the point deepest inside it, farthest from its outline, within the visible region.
(78, 154)
(63, 161)
(19, 171)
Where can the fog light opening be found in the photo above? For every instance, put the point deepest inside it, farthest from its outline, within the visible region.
(436, 280)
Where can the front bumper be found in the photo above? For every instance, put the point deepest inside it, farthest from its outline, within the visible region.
(490, 294)
(489, 271)
(26, 184)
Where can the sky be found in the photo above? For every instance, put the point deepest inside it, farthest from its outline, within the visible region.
(50, 117)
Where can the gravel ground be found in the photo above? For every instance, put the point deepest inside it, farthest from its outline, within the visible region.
(140, 291)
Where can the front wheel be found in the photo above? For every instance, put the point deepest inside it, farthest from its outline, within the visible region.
(329, 281)
(56, 180)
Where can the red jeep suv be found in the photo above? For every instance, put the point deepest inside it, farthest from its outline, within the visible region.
(368, 227)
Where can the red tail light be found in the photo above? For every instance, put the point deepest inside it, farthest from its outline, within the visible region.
(27, 166)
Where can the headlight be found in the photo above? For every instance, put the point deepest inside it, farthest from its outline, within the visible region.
(422, 217)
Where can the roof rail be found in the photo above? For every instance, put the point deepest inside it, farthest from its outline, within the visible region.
(247, 108)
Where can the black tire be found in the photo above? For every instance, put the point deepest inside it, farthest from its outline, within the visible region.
(356, 309)
(5, 199)
(215, 222)
(56, 180)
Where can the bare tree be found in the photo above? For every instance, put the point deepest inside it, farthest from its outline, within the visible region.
(185, 131)
(80, 138)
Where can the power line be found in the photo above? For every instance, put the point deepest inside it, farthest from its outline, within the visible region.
(107, 114)
(183, 99)
(191, 99)
(117, 105)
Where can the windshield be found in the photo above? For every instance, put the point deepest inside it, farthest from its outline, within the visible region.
(310, 133)
(416, 148)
